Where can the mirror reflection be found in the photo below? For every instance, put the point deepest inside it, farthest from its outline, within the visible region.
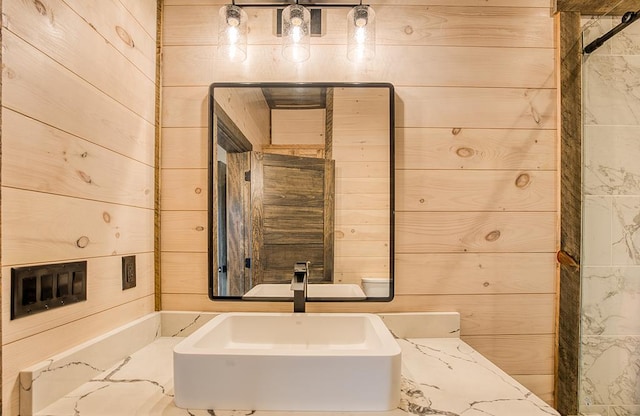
(301, 173)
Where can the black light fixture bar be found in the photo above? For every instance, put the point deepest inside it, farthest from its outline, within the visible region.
(627, 19)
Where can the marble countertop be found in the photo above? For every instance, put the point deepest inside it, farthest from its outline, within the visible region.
(440, 376)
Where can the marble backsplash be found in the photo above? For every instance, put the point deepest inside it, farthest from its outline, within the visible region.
(610, 357)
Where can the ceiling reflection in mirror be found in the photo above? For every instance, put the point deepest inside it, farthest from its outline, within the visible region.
(301, 173)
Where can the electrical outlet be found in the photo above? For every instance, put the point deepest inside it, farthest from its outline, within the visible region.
(128, 272)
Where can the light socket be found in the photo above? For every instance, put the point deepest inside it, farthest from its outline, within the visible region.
(128, 272)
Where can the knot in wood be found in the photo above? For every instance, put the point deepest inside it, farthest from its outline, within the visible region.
(198, 191)
(106, 217)
(408, 30)
(523, 180)
(125, 36)
(40, 7)
(456, 130)
(86, 178)
(82, 242)
(465, 152)
(199, 228)
(492, 236)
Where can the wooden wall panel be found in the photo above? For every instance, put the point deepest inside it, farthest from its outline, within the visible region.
(544, 4)
(467, 190)
(495, 66)
(78, 138)
(185, 148)
(308, 126)
(475, 139)
(457, 148)
(250, 112)
(45, 90)
(475, 273)
(78, 43)
(505, 314)
(123, 30)
(444, 25)
(44, 159)
(595, 7)
(184, 189)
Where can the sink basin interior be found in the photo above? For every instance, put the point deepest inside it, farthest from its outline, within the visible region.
(277, 334)
(289, 362)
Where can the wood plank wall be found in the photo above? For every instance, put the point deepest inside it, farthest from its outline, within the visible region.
(78, 140)
(476, 157)
(360, 148)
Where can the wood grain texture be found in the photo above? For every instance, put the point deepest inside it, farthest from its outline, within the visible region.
(248, 110)
(494, 67)
(540, 385)
(82, 40)
(468, 148)
(184, 231)
(41, 158)
(468, 273)
(596, 7)
(420, 232)
(570, 81)
(185, 148)
(41, 89)
(79, 86)
(475, 108)
(444, 25)
(81, 229)
(184, 189)
(123, 30)
(445, 190)
(297, 126)
(517, 354)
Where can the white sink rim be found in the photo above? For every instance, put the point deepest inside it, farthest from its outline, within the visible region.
(290, 377)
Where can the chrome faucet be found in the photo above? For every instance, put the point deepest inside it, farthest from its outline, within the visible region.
(299, 285)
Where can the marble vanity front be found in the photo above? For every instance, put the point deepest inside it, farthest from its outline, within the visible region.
(441, 375)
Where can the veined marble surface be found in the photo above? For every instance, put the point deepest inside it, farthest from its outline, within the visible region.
(610, 350)
(441, 376)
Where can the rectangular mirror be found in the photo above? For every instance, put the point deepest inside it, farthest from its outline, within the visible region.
(301, 172)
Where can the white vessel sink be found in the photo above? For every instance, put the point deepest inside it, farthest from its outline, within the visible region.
(344, 291)
(289, 362)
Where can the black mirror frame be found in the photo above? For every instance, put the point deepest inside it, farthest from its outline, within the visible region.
(211, 235)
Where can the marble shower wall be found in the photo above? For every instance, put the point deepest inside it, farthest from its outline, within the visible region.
(610, 362)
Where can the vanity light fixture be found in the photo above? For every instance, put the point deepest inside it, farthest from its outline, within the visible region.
(296, 32)
(299, 20)
(232, 33)
(361, 33)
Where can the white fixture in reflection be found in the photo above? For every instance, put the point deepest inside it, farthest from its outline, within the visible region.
(361, 33)
(232, 33)
(289, 362)
(297, 25)
(296, 33)
(344, 291)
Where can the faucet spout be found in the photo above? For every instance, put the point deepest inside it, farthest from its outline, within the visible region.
(299, 285)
